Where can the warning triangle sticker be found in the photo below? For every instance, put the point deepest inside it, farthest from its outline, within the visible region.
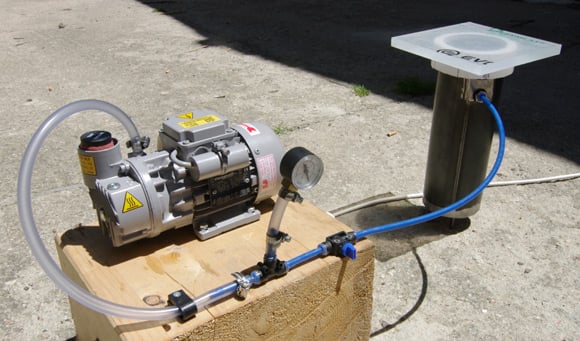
(189, 115)
(131, 203)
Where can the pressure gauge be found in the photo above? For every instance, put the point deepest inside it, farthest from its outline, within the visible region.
(301, 167)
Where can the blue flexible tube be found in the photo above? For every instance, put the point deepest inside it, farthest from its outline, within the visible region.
(476, 192)
(305, 257)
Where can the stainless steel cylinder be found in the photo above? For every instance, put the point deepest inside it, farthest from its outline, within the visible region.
(460, 142)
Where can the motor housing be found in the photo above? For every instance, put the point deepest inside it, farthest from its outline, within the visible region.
(204, 173)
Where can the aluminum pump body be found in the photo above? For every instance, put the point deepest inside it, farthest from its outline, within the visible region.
(204, 173)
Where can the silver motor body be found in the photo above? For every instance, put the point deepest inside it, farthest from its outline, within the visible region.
(204, 174)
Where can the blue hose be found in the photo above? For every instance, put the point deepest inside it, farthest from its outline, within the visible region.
(476, 192)
(319, 251)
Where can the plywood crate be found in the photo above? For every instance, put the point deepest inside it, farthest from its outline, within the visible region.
(326, 299)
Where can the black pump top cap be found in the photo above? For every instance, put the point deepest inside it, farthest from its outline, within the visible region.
(96, 138)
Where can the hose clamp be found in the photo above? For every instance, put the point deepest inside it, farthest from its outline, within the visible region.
(244, 285)
(290, 195)
(278, 239)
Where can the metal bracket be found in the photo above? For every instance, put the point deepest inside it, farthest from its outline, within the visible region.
(142, 143)
(184, 303)
(225, 225)
(290, 195)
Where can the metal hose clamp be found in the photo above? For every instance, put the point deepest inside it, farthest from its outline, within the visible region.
(244, 285)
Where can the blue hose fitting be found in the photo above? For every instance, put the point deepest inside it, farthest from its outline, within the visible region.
(341, 245)
(348, 250)
(271, 269)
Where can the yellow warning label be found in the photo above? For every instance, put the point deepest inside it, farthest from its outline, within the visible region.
(131, 203)
(199, 121)
(88, 165)
(189, 115)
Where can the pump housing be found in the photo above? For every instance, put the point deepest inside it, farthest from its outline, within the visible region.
(204, 173)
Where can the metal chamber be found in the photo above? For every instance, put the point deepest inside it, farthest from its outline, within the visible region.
(460, 142)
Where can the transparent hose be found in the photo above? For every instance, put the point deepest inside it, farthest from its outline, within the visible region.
(31, 231)
(274, 229)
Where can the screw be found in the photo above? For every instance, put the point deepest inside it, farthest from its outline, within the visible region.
(113, 186)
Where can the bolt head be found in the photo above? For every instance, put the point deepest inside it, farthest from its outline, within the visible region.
(113, 186)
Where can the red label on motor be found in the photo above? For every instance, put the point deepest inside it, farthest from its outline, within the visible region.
(250, 129)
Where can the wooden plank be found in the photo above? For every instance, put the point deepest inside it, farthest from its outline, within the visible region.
(327, 297)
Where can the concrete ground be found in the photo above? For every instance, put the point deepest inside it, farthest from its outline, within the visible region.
(512, 274)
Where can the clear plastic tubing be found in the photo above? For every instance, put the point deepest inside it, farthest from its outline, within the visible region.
(31, 231)
(274, 229)
(215, 295)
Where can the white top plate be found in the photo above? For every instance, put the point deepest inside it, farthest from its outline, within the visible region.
(470, 50)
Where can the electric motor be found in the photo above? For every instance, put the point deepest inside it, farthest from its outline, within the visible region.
(204, 173)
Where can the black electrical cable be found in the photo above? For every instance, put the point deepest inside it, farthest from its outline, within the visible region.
(415, 307)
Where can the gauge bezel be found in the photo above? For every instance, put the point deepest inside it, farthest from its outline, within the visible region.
(293, 164)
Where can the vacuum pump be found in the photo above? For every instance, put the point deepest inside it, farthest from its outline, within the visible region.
(204, 173)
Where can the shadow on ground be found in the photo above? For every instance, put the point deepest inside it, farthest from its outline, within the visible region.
(349, 41)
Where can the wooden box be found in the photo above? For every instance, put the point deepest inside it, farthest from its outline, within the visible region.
(326, 299)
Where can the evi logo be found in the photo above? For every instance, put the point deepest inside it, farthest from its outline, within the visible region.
(456, 53)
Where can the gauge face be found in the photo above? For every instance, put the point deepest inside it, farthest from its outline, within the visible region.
(307, 172)
(303, 168)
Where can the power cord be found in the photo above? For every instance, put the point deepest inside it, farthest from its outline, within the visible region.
(415, 307)
(387, 198)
